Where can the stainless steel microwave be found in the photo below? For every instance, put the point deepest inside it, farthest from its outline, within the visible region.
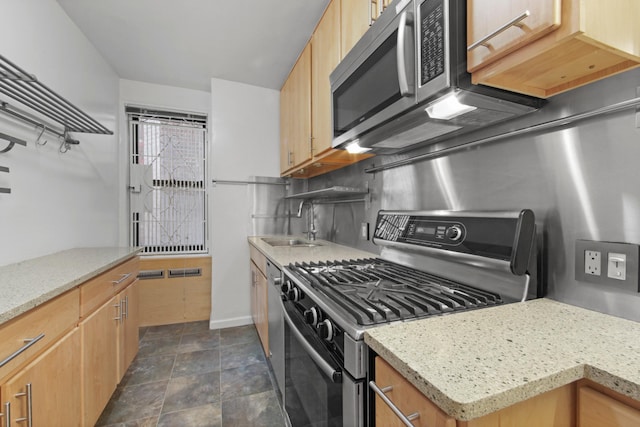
(405, 82)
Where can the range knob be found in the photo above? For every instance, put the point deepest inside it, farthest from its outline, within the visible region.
(295, 295)
(312, 316)
(286, 287)
(277, 281)
(326, 330)
(454, 232)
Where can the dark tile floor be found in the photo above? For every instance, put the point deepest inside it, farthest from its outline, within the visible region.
(186, 375)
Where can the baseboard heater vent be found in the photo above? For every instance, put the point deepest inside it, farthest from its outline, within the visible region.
(184, 272)
(151, 274)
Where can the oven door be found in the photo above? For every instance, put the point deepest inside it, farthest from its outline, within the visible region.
(317, 390)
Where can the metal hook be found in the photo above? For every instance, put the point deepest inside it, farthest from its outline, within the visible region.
(64, 147)
(67, 142)
(40, 136)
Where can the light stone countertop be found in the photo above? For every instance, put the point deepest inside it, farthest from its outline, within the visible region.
(477, 362)
(327, 251)
(30, 283)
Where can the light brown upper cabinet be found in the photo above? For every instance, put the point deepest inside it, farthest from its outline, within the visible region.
(295, 110)
(325, 56)
(305, 99)
(594, 39)
(496, 28)
(356, 18)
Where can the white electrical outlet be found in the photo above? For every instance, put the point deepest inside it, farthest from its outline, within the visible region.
(617, 266)
(592, 263)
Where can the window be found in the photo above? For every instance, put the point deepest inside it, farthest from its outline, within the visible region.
(168, 173)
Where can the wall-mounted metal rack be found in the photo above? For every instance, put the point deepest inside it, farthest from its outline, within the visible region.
(333, 195)
(17, 84)
(12, 142)
(3, 189)
(336, 191)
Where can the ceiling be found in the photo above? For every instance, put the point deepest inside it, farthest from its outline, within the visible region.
(187, 42)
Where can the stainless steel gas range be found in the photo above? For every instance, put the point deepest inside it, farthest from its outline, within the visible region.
(432, 263)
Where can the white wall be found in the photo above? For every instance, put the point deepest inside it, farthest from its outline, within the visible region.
(58, 201)
(157, 96)
(245, 138)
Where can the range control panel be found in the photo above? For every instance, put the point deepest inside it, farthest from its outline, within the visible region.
(504, 236)
(419, 230)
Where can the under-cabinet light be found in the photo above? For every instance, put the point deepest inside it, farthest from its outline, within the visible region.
(355, 148)
(447, 108)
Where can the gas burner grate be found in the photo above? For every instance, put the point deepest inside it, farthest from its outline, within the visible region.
(376, 291)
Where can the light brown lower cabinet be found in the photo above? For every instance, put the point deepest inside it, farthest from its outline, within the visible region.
(406, 398)
(75, 349)
(109, 345)
(46, 393)
(174, 290)
(99, 333)
(555, 408)
(600, 407)
(260, 305)
(128, 337)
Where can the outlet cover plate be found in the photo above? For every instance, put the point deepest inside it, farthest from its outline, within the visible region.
(630, 284)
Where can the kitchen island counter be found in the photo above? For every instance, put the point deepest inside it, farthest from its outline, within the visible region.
(475, 363)
(325, 251)
(30, 283)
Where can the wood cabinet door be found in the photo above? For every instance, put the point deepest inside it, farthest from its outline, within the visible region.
(286, 112)
(325, 56)
(485, 17)
(54, 387)
(407, 399)
(128, 329)
(599, 410)
(253, 292)
(355, 21)
(300, 119)
(99, 361)
(262, 302)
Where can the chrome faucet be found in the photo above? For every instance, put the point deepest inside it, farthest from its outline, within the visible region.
(311, 227)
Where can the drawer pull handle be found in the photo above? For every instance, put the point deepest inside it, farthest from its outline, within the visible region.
(28, 343)
(29, 417)
(515, 22)
(6, 414)
(406, 419)
(121, 279)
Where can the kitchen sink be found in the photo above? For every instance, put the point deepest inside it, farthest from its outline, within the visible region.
(294, 243)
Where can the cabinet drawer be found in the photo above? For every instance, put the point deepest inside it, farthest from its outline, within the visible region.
(51, 320)
(96, 291)
(408, 399)
(258, 259)
(598, 410)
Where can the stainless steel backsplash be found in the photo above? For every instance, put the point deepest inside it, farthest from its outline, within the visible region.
(582, 181)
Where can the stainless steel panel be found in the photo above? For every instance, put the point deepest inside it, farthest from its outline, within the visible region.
(581, 181)
(276, 327)
(355, 357)
(352, 402)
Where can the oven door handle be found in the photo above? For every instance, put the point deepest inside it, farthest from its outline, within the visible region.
(333, 374)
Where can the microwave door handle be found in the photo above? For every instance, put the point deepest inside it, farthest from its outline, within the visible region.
(406, 19)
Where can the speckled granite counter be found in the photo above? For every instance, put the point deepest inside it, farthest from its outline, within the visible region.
(474, 363)
(284, 255)
(27, 284)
